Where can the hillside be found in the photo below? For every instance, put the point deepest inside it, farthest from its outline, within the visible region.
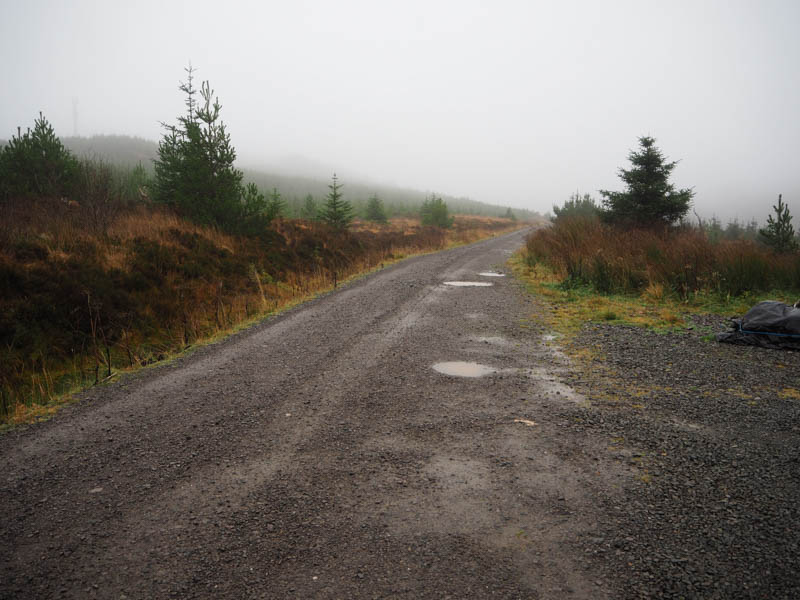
(127, 151)
(120, 150)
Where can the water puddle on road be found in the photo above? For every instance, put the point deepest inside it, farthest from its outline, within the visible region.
(463, 369)
(468, 283)
(491, 274)
(495, 340)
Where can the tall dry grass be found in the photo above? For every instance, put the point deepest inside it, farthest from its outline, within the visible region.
(79, 303)
(584, 251)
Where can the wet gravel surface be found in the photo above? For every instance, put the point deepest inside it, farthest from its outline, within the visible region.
(715, 431)
(319, 455)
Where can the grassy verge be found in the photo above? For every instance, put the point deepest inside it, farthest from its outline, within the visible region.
(566, 308)
(682, 262)
(81, 306)
(591, 271)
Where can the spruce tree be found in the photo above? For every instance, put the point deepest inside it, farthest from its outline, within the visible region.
(36, 164)
(254, 206)
(779, 232)
(276, 206)
(195, 170)
(434, 213)
(309, 209)
(649, 200)
(337, 213)
(580, 206)
(375, 210)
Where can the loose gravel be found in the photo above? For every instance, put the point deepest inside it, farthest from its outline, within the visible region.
(715, 432)
(320, 455)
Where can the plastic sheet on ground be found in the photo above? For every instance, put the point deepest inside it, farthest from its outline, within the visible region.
(768, 324)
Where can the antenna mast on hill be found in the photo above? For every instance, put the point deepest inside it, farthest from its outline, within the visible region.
(75, 117)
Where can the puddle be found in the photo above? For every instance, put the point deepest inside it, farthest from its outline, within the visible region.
(468, 283)
(495, 340)
(491, 274)
(463, 369)
(559, 391)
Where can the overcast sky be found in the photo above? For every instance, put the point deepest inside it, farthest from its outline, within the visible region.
(513, 103)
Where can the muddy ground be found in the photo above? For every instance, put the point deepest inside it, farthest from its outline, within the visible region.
(320, 455)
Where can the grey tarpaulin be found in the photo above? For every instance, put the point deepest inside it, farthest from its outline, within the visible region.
(768, 324)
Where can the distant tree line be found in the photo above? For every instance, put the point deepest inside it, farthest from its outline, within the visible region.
(193, 171)
(125, 153)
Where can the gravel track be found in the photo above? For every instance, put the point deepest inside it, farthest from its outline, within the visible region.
(318, 455)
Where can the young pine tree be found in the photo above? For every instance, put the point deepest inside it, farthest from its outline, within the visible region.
(580, 206)
(194, 171)
(309, 209)
(337, 213)
(276, 206)
(650, 200)
(376, 212)
(733, 230)
(434, 213)
(36, 164)
(254, 206)
(779, 232)
(713, 229)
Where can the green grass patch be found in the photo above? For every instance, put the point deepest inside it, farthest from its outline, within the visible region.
(570, 306)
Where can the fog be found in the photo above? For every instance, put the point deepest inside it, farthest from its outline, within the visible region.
(514, 103)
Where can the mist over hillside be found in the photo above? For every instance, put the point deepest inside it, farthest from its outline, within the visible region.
(120, 150)
(295, 177)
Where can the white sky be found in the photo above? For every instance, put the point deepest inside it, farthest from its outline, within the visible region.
(513, 103)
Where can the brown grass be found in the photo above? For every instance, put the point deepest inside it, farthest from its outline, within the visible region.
(683, 262)
(154, 223)
(78, 303)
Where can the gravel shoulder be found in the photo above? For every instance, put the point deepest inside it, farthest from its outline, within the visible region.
(715, 428)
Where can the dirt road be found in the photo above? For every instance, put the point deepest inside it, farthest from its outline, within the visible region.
(320, 455)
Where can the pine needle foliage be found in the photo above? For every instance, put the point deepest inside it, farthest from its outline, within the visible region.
(375, 211)
(276, 205)
(779, 232)
(650, 200)
(337, 212)
(577, 206)
(195, 170)
(309, 209)
(36, 164)
(434, 213)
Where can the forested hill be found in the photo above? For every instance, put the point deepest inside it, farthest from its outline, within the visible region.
(127, 151)
(398, 200)
(121, 150)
